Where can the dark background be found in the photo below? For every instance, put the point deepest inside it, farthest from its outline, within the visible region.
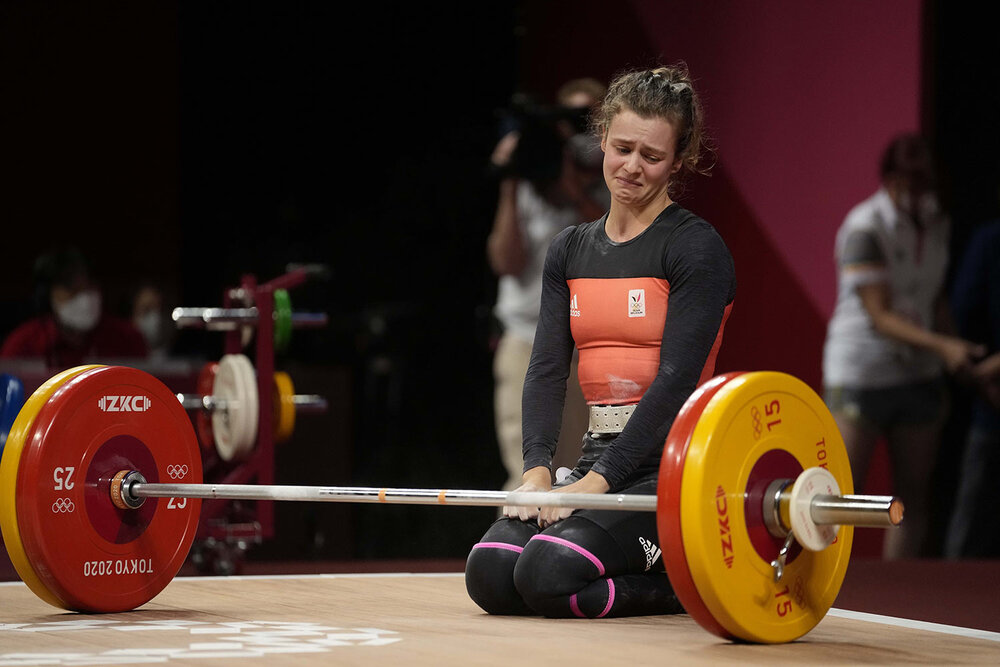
(192, 143)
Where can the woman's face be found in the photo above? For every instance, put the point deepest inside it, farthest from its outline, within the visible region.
(639, 158)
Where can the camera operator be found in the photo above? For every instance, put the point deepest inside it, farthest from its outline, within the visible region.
(549, 166)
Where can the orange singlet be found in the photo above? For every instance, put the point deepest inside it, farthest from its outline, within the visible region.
(647, 316)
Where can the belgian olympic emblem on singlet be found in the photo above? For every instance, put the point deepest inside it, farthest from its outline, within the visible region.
(637, 303)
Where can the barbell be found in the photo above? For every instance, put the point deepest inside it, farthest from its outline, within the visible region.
(100, 493)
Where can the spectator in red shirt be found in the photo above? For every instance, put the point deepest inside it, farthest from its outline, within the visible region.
(71, 327)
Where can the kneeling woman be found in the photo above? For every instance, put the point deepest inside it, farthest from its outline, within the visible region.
(606, 288)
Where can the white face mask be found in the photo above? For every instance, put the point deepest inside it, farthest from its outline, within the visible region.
(150, 324)
(923, 209)
(928, 208)
(82, 312)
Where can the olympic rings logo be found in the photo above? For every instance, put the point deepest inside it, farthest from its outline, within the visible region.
(63, 506)
(177, 472)
(757, 427)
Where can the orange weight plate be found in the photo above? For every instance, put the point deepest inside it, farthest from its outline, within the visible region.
(93, 556)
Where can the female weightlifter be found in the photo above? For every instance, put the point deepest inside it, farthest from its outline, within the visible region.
(606, 289)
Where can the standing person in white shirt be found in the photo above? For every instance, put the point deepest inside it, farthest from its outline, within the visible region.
(555, 183)
(890, 339)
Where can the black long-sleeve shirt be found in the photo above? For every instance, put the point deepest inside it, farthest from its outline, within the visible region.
(610, 300)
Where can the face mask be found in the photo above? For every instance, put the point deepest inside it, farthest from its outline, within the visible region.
(149, 324)
(928, 208)
(81, 312)
(923, 208)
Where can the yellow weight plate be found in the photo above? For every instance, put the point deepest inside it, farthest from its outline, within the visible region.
(757, 417)
(284, 407)
(8, 482)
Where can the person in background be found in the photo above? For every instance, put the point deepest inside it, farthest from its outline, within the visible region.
(550, 179)
(890, 338)
(974, 529)
(71, 327)
(150, 318)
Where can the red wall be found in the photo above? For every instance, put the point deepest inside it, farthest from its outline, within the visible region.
(799, 97)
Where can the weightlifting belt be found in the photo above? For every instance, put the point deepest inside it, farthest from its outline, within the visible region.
(609, 419)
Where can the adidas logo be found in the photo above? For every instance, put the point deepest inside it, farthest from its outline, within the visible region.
(574, 310)
(652, 552)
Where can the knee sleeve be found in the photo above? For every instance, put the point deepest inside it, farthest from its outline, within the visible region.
(563, 580)
(489, 569)
(552, 570)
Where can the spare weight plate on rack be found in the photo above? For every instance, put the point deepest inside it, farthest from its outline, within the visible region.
(234, 423)
(203, 418)
(284, 407)
(11, 400)
(282, 319)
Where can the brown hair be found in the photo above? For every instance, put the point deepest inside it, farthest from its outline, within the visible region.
(908, 156)
(663, 92)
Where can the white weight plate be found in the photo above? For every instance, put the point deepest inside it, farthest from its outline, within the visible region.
(234, 426)
(250, 413)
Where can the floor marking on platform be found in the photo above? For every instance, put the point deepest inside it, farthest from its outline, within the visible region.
(916, 625)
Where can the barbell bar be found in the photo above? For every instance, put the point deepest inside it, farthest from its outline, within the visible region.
(231, 319)
(304, 403)
(855, 510)
(753, 463)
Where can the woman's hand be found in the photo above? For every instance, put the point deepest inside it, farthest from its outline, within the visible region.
(536, 479)
(959, 355)
(591, 483)
(987, 376)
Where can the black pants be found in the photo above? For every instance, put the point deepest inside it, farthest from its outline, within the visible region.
(595, 563)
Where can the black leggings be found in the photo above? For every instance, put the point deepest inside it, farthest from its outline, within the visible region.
(593, 564)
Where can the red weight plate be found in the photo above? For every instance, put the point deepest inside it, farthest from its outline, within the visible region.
(668, 504)
(90, 554)
(202, 418)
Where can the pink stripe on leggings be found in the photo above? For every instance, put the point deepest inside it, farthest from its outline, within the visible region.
(574, 605)
(611, 598)
(575, 547)
(498, 545)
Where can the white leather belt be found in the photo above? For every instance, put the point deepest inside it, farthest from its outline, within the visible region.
(609, 419)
